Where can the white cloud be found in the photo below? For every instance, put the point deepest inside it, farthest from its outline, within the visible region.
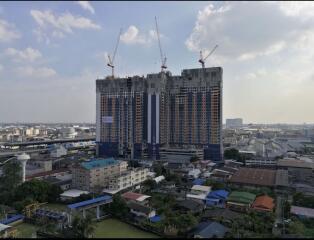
(133, 36)
(58, 26)
(8, 31)
(29, 54)
(245, 30)
(87, 6)
(40, 72)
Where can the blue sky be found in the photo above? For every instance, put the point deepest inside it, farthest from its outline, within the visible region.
(52, 52)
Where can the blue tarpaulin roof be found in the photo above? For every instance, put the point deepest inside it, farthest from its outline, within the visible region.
(155, 219)
(12, 219)
(90, 201)
(221, 194)
(198, 181)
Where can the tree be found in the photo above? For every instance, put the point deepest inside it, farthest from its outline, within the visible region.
(297, 227)
(150, 183)
(11, 177)
(37, 190)
(232, 153)
(194, 158)
(118, 207)
(158, 169)
(82, 227)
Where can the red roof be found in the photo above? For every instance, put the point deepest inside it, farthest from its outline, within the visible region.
(265, 203)
(132, 195)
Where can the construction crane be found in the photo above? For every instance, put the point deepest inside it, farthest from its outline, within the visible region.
(202, 60)
(163, 59)
(111, 60)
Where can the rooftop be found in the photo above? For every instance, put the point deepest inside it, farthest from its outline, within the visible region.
(105, 198)
(255, 176)
(294, 163)
(98, 163)
(4, 227)
(73, 193)
(242, 197)
(135, 196)
(264, 203)
(210, 230)
(201, 188)
(308, 212)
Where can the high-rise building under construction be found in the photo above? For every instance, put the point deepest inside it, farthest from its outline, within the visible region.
(136, 116)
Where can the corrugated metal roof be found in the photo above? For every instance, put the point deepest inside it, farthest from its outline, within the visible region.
(308, 212)
(12, 219)
(242, 197)
(90, 201)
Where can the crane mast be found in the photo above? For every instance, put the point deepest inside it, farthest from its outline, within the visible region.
(202, 60)
(111, 60)
(163, 59)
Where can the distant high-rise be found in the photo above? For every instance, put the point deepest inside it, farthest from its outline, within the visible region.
(136, 116)
(234, 123)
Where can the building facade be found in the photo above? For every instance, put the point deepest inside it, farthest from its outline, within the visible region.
(234, 123)
(136, 116)
(96, 173)
(128, 179)
(106, 175)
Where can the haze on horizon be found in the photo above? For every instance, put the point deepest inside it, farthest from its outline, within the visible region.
(52, 53)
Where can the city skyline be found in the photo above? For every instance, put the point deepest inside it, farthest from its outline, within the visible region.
(53, 52)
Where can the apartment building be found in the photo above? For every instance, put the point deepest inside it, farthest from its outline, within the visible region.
(128, 179)
(96, 173)
(136, 116)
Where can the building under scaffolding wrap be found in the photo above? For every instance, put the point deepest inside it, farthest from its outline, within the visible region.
(136, 116)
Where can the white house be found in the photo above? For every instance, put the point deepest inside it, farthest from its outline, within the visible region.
(199, 192)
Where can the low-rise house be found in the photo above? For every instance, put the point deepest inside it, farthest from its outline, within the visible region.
(198, 181)
(194, 173)
(72, 194)
(240, 201)
(263, 204)
(199, 192)
(302, 212)
(159, 179)
(210, 230)
(136, 197)
(221, 214)
(189, 205)
(141, 210)
(217, 198)
(220, 175)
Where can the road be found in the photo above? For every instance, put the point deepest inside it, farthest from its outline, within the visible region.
(279, 215)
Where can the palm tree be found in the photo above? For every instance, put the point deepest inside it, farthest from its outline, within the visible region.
(83, 227)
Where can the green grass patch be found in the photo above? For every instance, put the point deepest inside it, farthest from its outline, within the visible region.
(113, 228)
(26, 230)
(309, 232)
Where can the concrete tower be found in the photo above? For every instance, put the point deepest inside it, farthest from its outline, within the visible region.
(23, 158)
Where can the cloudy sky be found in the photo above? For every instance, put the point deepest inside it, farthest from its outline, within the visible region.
(52, 52)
